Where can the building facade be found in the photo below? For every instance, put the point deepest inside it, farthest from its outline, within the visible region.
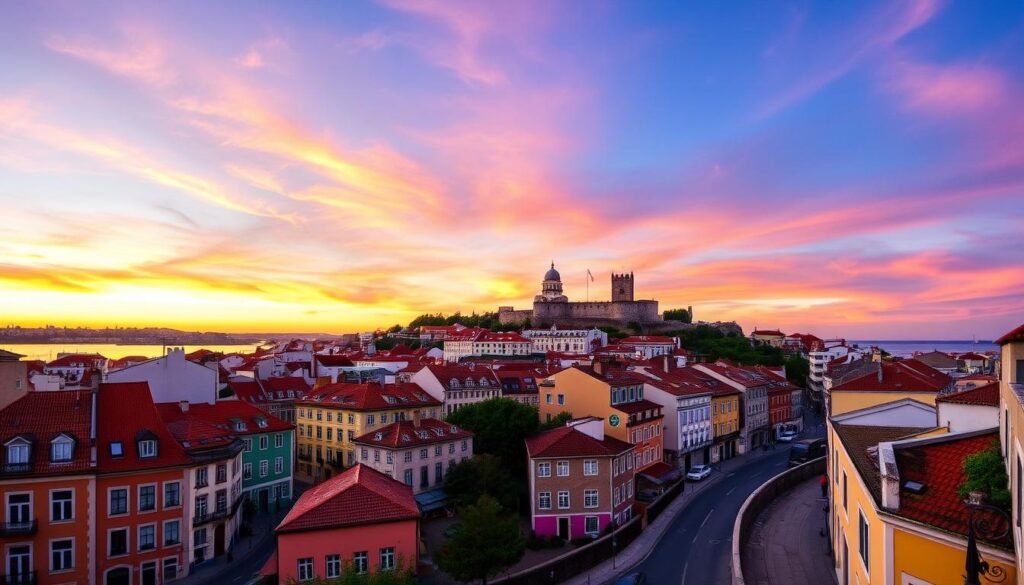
(457, 385)
(754, 429)
(576, 341)
(416, 452)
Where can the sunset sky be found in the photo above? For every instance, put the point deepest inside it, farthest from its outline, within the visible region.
(849, 169)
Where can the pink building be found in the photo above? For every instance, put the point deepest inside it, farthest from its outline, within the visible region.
(360, 518)
(416, 452)
(580, 480)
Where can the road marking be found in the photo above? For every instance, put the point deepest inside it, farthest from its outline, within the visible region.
(685, 567)
(779, 464)
(731, 474)
(753, 475)
(730, 491)
(706, 519)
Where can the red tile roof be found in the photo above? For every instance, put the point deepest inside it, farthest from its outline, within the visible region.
(247, 389)
(938, 464)
(334, 361)
(126, 412)
(1015, 335)
(358, 495)
(404, 434)
(637, 406)
(126, 361)
(684, 381)
(972, 356)
(572, 442)
(987, 395)
(90, 360)
(647, 340)
(445, 374)
(283, 384)
(773, 332)
(612, 375)
(224, 413)
(902, 376)
(502, 337)
(371, 396)
(40, 417)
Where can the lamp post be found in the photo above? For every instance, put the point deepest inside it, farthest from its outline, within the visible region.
(989, 523)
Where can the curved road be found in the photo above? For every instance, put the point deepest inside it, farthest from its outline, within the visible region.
(697, 547)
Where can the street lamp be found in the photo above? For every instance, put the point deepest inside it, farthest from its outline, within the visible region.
(990, 523)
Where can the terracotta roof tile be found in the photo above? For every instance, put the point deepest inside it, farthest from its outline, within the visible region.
(405, 434)
(124, 412)
(572, 442)
(857, 439)
(358, 495)
(1016, 334)
(371, 396)
(987, 395)
(40, 417)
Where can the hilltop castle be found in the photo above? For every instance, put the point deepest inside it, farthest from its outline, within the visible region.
(551, 306)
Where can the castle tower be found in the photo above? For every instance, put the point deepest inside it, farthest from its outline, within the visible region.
(622, 287)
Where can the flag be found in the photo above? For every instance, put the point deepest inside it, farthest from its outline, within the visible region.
(590, 275)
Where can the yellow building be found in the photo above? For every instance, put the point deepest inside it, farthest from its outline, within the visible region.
(878, 382)
(1011, 422)
(725, 422)
(894, 513)
(330, 417)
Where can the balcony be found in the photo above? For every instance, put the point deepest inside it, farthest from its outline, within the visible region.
(218, 514)
(18, 528)
(19, 579)
(305, 456)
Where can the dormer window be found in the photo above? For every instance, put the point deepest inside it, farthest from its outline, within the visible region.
(18, 450)
(147, 448)
(262, 422)
(116, 449)
(240, 425)
(61, 448)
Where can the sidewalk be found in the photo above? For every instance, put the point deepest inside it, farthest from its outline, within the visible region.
(785, 544)
(248, 553)
(639, 549)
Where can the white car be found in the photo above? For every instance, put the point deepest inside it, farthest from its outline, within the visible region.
(788, 436)
(698, 472)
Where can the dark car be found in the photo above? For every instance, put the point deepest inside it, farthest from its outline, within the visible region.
(632, 579)
(806, 450)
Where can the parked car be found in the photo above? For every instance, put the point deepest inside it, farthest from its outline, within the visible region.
(698, 472)
(788, 436)
(632, 579)
(807, 449)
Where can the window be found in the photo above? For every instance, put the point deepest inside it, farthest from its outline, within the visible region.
(60, 449)
(222, 500)
(561, 399)
(351, 435)
(264, 468)
(62, 506)
(589, 498)
(118, 542)
(201, 477)
(172, 532)
(351, 419)
(265, 442)
(544, 500)
(465, 445)
(451, 448)
(369, 420)
(563, 469)
(279, 440)
(201, 507)
(17, 453)
(408, 456)
(222, 473)
(170, 569)
(408, 477)
(563, 500)
(247, 471)
(248, 444)
(118, 501)
(147, 498)
(590, 467)
(199, 537)
(147, 537)
(387, 558)
(147, 448)
(845, 509)
(359, 562)
(437, 451)
(172, 494)
(590, 526)
(306, 567)
(279, 465)
(544, 470)
(547, 398)
(438, 472)
(333, 566)
(862, 530)
(62, 555)
(424, 476)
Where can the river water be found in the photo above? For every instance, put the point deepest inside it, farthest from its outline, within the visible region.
(49, 351)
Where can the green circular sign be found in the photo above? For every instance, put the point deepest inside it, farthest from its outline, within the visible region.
(613, 420)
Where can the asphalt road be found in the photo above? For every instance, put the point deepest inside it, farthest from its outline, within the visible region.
(697, 547)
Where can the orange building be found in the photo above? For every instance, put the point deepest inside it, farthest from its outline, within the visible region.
(141, 520)
(613, 394)
(46, 483)
(359, 518)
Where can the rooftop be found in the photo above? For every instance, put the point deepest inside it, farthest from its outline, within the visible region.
(571, 442)
(370, 396)
(405, 434)
(987, 395)
(127, 413)
(40, 417)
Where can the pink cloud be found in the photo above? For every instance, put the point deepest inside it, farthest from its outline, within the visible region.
(950, 88)
(138, 58)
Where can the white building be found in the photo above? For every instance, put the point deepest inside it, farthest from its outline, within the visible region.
(581, 341)
(457, 385)
(754, 386)
(685, 395)
(650, 346)
(975, 409)
(172, 378)
(481, 342)
(417, 452)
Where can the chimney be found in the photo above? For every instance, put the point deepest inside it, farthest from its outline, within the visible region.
(665, 362)
(183, 405)
(879, 373)
(890, 477)
(321, 382)
(416, 419)
(598, 366)
(876, 354)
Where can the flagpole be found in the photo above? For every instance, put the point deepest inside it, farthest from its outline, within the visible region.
(588, 284)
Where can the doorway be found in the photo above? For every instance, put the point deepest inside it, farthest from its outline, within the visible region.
(264, 500)
(563, 528)
(119, 576)
(218, 540)
(149, 573)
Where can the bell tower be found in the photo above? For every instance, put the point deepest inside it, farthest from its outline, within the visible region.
(622, 287)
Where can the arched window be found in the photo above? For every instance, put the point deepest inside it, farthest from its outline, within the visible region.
(119, 576)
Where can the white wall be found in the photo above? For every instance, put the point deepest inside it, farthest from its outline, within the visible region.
(172, 378)
(967, 417)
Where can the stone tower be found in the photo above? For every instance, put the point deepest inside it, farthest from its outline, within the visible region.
(622, 287)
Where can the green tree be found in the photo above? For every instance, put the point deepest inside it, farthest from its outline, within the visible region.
(500, 425)
(797, 370)
(395, 328)
(485, 543)
(559, 421)
(485, 474)
(986, 473)
(677, 315)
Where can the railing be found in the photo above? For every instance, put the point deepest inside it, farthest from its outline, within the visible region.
(28, 578)
(18, 528)
(15, 468)
(218, 514)
(305, 456)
